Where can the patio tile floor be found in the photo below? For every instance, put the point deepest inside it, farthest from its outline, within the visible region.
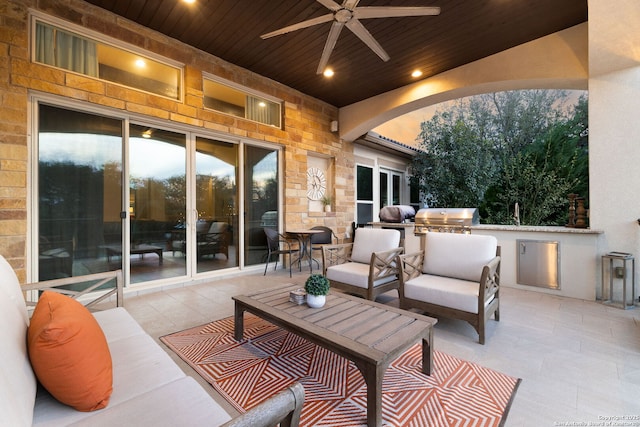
(579, 360)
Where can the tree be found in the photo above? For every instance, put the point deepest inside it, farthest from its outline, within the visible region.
(497, 149)
(456, 164)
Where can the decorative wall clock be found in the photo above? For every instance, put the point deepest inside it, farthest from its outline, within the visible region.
(316, 184)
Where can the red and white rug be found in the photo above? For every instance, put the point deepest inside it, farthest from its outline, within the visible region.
(458, 393)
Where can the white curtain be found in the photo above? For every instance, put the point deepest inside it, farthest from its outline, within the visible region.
(64, 50)
(262, 111)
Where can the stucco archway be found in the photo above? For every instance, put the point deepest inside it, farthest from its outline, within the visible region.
(557, 61)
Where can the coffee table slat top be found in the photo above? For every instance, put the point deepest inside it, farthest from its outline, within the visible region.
(348, 324)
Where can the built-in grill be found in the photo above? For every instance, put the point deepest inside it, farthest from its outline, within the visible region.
(452, 220)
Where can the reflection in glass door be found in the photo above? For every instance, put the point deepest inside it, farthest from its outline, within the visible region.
(177, 224)
(157, 203)
(79, 193)
(216, 204)
(261, 200)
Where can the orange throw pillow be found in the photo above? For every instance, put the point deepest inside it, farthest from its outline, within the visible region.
(69, 353)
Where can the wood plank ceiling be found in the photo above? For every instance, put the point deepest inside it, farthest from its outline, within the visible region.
(465, 31)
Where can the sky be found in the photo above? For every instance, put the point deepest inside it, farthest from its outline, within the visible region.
(406, 128)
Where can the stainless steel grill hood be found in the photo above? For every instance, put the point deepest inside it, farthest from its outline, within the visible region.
(446, 219)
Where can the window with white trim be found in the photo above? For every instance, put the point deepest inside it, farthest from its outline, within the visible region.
(228, 98)
(62, 48)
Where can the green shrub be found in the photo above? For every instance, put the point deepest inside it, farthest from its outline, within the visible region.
(317, 284)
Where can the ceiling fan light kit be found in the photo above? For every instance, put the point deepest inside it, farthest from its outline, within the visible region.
(348, 15)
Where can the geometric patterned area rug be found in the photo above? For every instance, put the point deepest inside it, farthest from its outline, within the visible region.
(269, 359)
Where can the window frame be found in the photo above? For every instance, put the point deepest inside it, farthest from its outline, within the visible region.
(36, 16)
(245, 91)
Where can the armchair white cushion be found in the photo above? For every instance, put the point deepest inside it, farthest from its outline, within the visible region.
(456, 276)
(369, 240)
(460, 256)
(367, 267)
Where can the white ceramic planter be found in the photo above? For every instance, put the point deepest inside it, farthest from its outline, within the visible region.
(316, 301)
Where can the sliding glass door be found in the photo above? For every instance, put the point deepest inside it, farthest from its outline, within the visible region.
(79, 192)
(181, 211)
(261, 200)
(157, 203)
(216, 205)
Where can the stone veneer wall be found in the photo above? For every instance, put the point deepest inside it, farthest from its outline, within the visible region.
(306, 119)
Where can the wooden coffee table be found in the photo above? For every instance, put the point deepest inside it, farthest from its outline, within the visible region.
(371, 335)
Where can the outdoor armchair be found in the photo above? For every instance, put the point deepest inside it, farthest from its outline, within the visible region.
(368, 266)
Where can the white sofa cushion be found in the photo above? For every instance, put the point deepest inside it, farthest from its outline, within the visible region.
(370, 240)
(117, 324)
(18, 390)
(444, 291)
(140, 365)
(460, 256)
(180, 403)
(354, 273)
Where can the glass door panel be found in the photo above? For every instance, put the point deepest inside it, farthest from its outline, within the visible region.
(79, 193)
(390, 188)
(157, 203)
(261, 200)
(364, 195)
(384, 190)
(395, 188)
(216, 203)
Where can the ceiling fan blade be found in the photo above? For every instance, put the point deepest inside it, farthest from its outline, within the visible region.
(336, 28)
(363, 34)
(330, 4)
(391, 12)
(350, 4)
(300, 25)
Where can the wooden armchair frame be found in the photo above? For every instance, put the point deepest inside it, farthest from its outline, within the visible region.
(284, 408)
(87, 284)
(410, 266)
(383, 264)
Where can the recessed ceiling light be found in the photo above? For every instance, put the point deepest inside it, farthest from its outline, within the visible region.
(416, 73)
(140, 63)
(328, 72)
(189, 1)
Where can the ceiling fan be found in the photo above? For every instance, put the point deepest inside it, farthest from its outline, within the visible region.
(348, 15)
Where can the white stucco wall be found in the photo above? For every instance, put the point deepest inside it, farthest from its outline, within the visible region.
(557, 61)
(614, 123)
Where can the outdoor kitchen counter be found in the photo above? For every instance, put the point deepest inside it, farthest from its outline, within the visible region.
(579, 253)
(579, 256)
(535, 229)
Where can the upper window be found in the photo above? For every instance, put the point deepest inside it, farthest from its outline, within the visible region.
(240, 102)
(61, 48)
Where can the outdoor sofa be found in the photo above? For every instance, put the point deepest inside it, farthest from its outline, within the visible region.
(147, 389)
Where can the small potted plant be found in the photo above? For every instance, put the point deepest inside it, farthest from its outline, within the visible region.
(317, 288)
(326, 202)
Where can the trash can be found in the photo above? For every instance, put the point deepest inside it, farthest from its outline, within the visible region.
(615, 271)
